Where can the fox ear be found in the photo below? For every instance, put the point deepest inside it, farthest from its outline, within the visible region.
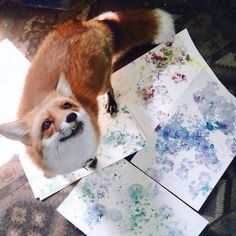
(16, 130)
(63, 86)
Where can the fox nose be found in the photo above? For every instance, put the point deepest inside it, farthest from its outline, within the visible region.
(71, 117)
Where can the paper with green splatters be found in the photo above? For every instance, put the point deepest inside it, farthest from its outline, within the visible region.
(121, 200)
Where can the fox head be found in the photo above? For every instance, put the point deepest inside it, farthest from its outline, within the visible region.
(60, 135)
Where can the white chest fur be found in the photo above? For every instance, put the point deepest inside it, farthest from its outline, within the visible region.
(70, 155)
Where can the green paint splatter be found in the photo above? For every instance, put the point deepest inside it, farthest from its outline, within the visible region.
(87, 193)
(188, 58)
(124, 109)
(115, 137)
(168, 52)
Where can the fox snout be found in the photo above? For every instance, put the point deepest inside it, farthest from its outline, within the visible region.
(72, 126)
(71, 117)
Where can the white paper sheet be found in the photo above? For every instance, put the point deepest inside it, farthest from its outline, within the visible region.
(152, 83)
(121, 200)
(188, 153)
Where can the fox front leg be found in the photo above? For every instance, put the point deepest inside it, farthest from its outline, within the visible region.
(111, 105)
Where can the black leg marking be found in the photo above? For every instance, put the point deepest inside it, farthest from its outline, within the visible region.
(90, 163)
(111, 106)
(93, 163)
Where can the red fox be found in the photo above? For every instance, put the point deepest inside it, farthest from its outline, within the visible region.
(58, 110)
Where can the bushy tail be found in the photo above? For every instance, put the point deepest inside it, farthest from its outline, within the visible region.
(135, 27)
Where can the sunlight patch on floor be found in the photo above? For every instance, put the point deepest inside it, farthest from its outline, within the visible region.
(13, 69)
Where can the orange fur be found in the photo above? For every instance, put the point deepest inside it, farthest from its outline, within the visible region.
(83, 51)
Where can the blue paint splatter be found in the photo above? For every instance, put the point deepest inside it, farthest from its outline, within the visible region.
(136, 192)
(209, 126)
(94, 191)
(218, 112)
(165, 212)
(174, 137)
(185, 166)
(201, 185)
(95, 214)
(97, 211)
(217, 125)
(231, 143)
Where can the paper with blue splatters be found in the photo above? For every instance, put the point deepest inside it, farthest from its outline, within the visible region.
(191, 149)
(121, 200)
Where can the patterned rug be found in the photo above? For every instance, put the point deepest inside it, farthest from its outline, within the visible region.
(212, 27)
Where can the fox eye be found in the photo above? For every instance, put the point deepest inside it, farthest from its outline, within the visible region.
(46, 125)
(66, 105)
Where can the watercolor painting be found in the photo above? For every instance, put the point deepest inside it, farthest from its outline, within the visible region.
(191, 149)
(152, 83)
(120, 137)
(121, 200)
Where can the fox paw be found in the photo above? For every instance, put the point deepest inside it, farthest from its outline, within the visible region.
(111, 106)
(90, 163)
